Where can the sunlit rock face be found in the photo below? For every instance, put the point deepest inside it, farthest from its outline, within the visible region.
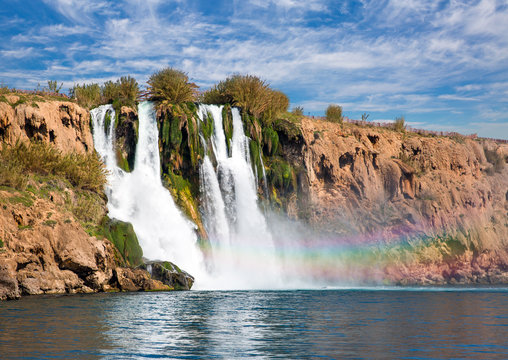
(63, 124)
(377, 186)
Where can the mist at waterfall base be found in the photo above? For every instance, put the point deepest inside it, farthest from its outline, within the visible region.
(249, 248)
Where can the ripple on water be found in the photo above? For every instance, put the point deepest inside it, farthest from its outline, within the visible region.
(259, 324)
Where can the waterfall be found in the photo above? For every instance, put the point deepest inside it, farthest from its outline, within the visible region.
(265, 181)
(243, 250)
(140, 198)
(242, 253)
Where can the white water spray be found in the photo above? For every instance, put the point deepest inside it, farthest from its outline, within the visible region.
(243, 255)
(140, 198)
(243, 251)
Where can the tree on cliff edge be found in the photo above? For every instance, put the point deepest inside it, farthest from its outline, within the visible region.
(171, 86)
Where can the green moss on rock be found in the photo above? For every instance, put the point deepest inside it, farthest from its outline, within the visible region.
(255, 154)
(107, 122)
(271, 141)
(281, 175)
(227, 123)
(122, 235)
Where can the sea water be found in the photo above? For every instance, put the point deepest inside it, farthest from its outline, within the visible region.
(305, 324)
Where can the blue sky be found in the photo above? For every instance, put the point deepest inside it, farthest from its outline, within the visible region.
(441, 64)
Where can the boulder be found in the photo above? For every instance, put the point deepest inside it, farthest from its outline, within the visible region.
(169, 274)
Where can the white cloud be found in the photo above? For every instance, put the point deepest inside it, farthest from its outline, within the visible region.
(457, 98)
(17, 53)
(81, 11)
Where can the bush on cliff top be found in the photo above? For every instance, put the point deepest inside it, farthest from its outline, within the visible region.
(84, 171)
(171, 86)
(251, 93)
(399, 124)
(334, 113)
(124, 91)
(87, 95)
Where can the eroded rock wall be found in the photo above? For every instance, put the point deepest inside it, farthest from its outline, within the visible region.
(388, 187)
(64, 124)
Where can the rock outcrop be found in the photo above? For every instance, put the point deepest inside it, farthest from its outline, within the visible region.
(63, 124)
(45, 250)
(126, 137)
(169, 274)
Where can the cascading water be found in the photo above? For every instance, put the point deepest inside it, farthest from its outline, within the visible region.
(243, 251)
(140, 198)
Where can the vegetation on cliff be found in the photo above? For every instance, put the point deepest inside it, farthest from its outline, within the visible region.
(122, 92)
(170, 86)
(36, 170)
(250, 93)
(334, 113)
(20, 163)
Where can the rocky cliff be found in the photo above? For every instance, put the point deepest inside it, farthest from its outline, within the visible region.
(63, 124)
(55, 236)
(437, 204)
(422, 209)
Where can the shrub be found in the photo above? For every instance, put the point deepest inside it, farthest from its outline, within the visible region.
(399, 124)
(109, 91)
(53, 86)
(4, 89)
(171, 86)
(124, 91)
(278, 104)
(87, 95)
(334, 113)
(298, 111)
(84, 171)
(250, 93)
(215, 95)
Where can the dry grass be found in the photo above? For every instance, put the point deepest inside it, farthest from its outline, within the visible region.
(83, 171)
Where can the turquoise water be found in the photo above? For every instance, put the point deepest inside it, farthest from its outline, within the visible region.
(324, 324)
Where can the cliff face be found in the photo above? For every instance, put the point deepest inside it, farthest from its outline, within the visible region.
(55, 236)
(63, 124)
(46, 250)
(390, 188)
(433, 209)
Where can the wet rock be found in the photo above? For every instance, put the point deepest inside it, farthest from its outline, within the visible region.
(8, 284)
(169, 274)
(138, 280)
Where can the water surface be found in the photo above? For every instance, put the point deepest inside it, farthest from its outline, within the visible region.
(327, 324)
